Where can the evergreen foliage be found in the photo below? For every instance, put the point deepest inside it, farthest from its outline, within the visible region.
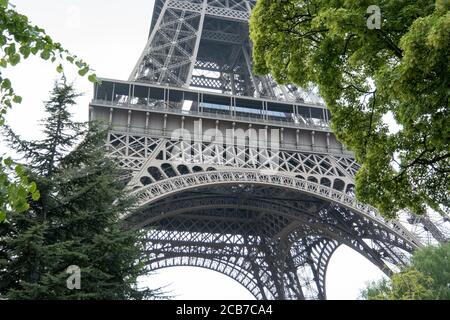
(75, 221)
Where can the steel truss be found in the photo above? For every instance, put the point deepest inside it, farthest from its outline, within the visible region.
(169, 176)
(205, 44)
(140, 152)
(277, 248)
(270, 219)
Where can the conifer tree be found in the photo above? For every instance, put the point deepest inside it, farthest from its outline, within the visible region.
(75, 221)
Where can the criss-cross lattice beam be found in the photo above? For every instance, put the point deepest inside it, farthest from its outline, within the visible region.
(184, 31)
(172, 48)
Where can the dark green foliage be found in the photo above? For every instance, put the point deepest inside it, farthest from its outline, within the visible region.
(76, 219)
(366, 76)
(428, 278)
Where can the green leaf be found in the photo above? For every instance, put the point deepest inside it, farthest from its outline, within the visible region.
(19, 170)
(93, 78)
(45, 55)
(59, 68)
(17, 99)
(2, 216)
(36, 195)
(6, 84)
(83, 71)
(33, 187)
(22, 193)
(8, 162)
(11, 49)
(23, 207)
(3, 63)
(14, 59)
(25, 51)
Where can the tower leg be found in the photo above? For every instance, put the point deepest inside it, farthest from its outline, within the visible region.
(282, 270)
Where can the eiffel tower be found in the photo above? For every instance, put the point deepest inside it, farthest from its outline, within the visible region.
(233, 172)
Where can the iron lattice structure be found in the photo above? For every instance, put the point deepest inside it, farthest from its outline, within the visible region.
(205, 44)
(269, 204)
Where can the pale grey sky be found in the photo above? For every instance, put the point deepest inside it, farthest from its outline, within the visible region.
(110, 35)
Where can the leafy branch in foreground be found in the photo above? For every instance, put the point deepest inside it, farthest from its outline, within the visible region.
(19, 40)
(400, 71)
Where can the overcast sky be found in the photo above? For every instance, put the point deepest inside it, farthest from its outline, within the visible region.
(110, 35)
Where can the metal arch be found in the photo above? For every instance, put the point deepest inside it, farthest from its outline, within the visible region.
(307, 217)
(230, 258)
(314, 255)
(375, 255)
(170, 186)
(164, 188)
(199, 245)
(261, 275)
